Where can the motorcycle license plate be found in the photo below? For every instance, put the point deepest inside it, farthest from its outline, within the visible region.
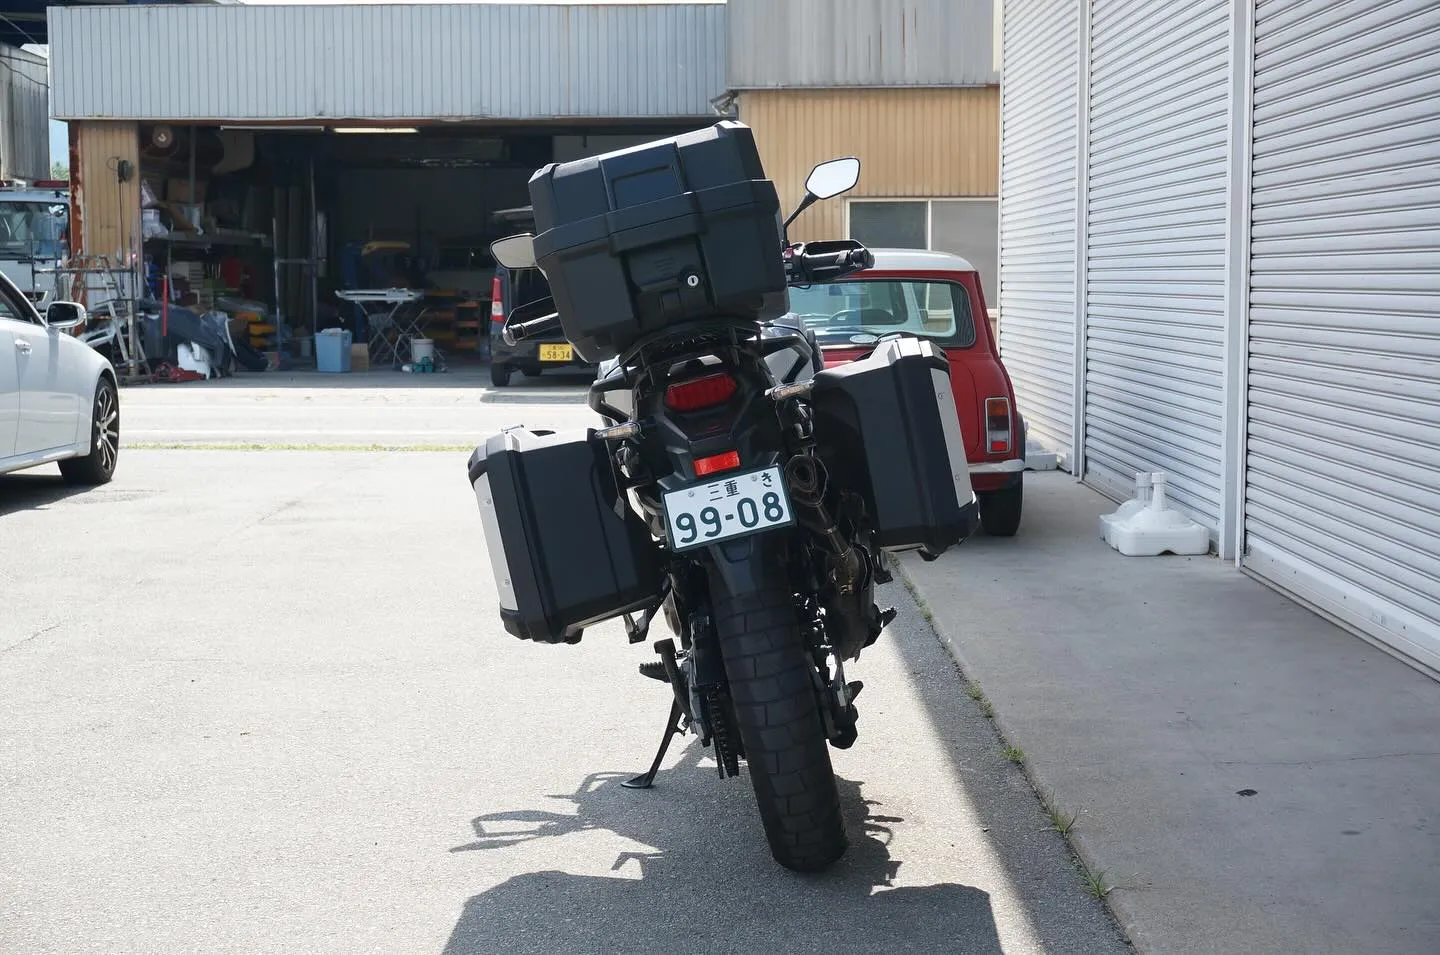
(556, 352)
(728, 507)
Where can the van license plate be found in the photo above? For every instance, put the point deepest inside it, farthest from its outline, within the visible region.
(556, 352)
(725, 508)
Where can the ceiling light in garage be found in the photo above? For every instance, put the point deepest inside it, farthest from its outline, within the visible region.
(376, 129)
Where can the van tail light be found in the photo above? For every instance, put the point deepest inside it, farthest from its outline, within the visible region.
(700, 393)
(997, 425)
(715, 463)
(497, 307)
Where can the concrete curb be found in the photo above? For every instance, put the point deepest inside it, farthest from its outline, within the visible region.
(1125, 917)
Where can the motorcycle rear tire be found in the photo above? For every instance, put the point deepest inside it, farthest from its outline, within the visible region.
(778, 717)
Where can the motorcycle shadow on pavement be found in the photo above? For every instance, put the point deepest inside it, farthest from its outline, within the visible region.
(709, 885)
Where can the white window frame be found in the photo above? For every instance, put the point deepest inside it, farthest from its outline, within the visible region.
(929, 202)
(929, 215)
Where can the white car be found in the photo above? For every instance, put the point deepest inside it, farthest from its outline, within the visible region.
(58, 396)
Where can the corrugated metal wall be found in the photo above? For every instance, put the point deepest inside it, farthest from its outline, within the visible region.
(819, 43)
(24, 115)
(110, 222)
(931, 143)
(1155, 248)
(374, 62)
(1038, 209)
(1342, 502)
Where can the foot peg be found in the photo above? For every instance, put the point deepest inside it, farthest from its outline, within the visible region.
(887, 617)
(655, 670)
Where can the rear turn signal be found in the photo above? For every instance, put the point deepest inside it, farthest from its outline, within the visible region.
(497, 308)
(701, 393)
(997, 425)
(728, 461)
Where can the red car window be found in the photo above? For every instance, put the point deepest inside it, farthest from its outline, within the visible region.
(870, 308)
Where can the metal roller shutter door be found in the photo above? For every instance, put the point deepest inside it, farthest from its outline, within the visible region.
(1038, 118)
(1342, 503)
(1155, 254)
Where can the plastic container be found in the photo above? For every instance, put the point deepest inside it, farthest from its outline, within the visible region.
(1131, 507)
(566, 551)
(332, 350)
(1155, 529)
(680, 229)
(887, 427)
(421, 349)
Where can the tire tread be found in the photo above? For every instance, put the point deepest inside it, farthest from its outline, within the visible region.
(780, 725)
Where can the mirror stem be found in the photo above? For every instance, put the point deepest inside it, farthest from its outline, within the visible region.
(805, 203)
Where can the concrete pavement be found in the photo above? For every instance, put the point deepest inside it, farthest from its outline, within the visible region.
(379, 407)
(260, 702)
(1250, 777)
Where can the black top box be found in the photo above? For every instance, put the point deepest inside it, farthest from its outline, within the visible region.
(673, 231)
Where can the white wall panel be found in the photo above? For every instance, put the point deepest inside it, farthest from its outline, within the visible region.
(463, 62)
(1039, 117)
(1158, 131)
(1342, 498)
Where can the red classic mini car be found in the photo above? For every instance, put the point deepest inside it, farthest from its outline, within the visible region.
(936, 295)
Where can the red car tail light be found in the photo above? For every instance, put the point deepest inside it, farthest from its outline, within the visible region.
(728, 461)
(700, 393)
(497, 307)
(997, 425)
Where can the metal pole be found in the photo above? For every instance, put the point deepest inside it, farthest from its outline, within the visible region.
(279, 311)
(190, 198)
(314, 265)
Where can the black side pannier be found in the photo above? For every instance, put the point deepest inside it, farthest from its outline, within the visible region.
(566, 551)
(886, 427)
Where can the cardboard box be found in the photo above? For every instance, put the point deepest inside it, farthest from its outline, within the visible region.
(360, 357)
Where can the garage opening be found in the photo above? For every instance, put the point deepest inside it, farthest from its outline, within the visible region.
(291, 236)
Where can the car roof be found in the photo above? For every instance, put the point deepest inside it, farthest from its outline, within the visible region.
(518, 214)
(919, 260)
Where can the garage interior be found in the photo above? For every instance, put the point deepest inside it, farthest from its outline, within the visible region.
(274, 225)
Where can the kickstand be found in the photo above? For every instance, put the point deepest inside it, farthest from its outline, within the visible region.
(647, 779)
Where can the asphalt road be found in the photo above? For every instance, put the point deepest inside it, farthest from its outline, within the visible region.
(260, 701)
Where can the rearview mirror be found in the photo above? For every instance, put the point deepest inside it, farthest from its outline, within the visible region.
(830, 179)
(515, 252)
(62, 315)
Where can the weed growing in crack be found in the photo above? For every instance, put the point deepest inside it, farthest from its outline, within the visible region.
(1060, 820)
(1095, 882)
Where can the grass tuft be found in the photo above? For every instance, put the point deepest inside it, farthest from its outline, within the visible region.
(1015, 755)
(1095, 882)
(1060, 820)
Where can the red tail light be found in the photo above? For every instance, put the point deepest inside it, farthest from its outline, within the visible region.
(997, 425)
(497, 307)
(728, 461)
(701, 393)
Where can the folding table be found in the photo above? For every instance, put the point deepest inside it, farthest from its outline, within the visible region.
(387, 318)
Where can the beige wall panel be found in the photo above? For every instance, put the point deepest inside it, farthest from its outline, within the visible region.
(930, 143)
(109, 209)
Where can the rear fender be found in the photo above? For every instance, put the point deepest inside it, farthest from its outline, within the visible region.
(748, 565)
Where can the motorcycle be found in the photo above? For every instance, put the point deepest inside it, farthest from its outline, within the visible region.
(737, 487)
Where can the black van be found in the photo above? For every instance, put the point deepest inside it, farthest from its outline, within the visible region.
(526, 290)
